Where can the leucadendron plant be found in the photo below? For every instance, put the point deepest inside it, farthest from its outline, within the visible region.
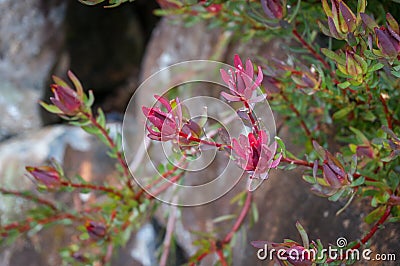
(342, 75)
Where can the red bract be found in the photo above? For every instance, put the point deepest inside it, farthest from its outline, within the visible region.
(45, 175)
(96, 230)
(242, 87)
(334, 172)
(274, 9)
(66, 99)
(164, 125)
(388, 41)
(341, 20)
(298, 256)
(254, 155)
(213, 8)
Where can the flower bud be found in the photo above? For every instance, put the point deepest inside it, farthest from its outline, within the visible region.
(356, 67)
(388, 41)
(45, 175)
(274, 9)
(66, 100)
(96, 230)
(333, 171)
(298, 256)
(342, 22)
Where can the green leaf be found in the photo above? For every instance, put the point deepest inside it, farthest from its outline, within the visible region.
(254, 210)
(89, 102)
(375, 215)
(281, 145)
(359, 135)
(309, 179)
(80, 123)
(343, 112)
(238, 197)
(224, 218)
(50, 108)
(396, 73)
(376, 67)
(91, 129)
(303, 234)
(358, 182)
(344, 85)
(101, 118)
(333, 56)
(337, 195)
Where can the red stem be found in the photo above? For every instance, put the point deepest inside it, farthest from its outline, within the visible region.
(309, 48)
(165, 186)
(302, 123)
(29, 197)
(112, 145)
(228, 237)
(92, 187)
(372, 232)
(26, 225)
(250, 114)
(239, 221)
(374, 228)
(311, 165)
(221, 257)
(387, 112)
(191, 138)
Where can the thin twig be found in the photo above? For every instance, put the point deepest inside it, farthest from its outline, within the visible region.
(168, 235)
(386, 110)
(371, 232)
(92, 187)
(298, 115)
(227, 239)
(31, 197)
(240, 219)
(26, 225)
(309, 48)
(112, 145)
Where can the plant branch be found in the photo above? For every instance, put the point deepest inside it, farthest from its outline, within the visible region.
(26, 225)
(112, 145)
(227, 239)
(252, 118)
(168, 236)
(310, 49)
(298, 115)
(161, 189)
(202, 141)
(311, 165)
(386, 110)
(221, 257)
(92, 187)
(240, 219)
(375, 228)
(31, 197)
(371, 232)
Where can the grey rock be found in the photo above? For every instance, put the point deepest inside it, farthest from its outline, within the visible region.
(30, 39)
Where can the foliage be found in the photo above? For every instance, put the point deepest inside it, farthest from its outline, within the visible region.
(343, 76)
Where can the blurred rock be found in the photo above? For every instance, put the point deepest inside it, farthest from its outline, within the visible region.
(31, 37)
(34, 148)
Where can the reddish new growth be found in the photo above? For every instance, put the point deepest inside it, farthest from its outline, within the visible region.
(254, 155)
(240, 81)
